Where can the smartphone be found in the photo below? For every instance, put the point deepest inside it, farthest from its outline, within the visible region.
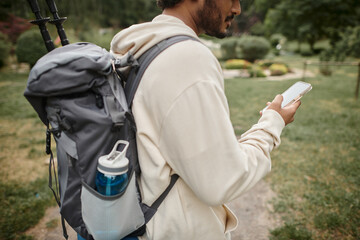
(294, 93)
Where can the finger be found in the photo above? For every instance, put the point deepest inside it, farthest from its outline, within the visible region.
(278, 99)
(292, 119)
(296, 104)
(268, 103)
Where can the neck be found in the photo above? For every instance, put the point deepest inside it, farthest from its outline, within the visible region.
(185, 13)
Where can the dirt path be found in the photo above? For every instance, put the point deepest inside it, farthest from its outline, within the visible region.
(252, 209)
(255, 213)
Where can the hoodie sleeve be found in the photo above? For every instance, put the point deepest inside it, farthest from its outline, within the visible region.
(198, 141)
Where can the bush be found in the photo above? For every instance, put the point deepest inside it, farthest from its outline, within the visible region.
(256, 71)
(30, 47)
(265, 63)
(4, 49)
(229, 47)
(276, 39)
(278, 69)
(237, 64)
(306, 53)
(254, 47)
(98, 37)
(258, 29)
(13, 27)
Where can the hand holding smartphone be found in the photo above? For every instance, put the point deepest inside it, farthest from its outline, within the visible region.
(294, 93)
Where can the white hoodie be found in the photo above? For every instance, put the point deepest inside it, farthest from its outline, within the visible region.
(183, 127)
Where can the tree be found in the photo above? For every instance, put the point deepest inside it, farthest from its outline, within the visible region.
(310, 21)
(104, 13)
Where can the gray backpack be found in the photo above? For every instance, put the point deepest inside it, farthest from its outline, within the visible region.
(85, 102)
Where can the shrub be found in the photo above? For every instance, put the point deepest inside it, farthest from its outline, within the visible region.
(256, 71)
(258, 29)
(265, 63)
(306, 53)
(276, 39)
(30, 47)
(229, 47)
(268, 63)
(14, 26)
(4, 49)
(278, 69)
(254, 47)
(237, 64)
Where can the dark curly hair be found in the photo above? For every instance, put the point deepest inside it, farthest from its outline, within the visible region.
(167, 3)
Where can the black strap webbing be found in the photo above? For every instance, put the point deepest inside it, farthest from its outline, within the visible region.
(149, 212)
(160, 199)
(53, 168)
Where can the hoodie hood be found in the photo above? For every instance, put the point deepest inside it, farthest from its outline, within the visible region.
(140, 37)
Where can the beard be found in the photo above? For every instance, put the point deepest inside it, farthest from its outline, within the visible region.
(211, 20)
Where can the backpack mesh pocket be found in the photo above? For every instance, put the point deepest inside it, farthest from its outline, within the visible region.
(111, 217)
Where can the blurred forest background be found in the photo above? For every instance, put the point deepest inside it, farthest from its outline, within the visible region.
(337, 22)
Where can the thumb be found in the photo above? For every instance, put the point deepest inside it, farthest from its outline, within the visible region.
(278, 99)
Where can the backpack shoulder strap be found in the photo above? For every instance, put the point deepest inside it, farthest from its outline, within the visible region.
(131, 86)
(144, 61)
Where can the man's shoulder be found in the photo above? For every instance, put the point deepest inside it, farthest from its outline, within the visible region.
(190, 52)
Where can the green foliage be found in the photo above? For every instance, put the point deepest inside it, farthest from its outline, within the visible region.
(254, 47)
(30, 47)
(278, 69)
(229, 47)
(13, 105)
(4, 49)
(13, 26)
(237, 64)
(308, 21)
(258, 29)
(100, 37)
(109, 13)
(276, 39)
(291, 231)
(21, 207)
(348, 45)
(263, 6)
(256, 71)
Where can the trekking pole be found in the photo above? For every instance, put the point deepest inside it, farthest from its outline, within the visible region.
(41, 22)
(58, 21)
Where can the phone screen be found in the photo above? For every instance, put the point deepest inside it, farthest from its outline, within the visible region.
(295, 92)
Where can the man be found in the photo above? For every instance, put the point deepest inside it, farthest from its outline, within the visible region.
(184, 128)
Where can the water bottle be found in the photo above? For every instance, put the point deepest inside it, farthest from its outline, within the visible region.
(79, 237)
(111, 177)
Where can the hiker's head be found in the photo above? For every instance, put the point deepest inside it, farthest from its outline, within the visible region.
(212, 17)
(167, 3)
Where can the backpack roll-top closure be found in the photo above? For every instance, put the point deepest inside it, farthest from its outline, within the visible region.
(82, 66)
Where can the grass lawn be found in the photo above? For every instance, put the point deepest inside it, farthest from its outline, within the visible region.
(316, 170)
(24, 194)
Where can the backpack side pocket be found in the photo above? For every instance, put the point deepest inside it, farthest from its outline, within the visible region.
(111, 217)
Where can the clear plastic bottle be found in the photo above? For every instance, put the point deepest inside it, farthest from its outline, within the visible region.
(111, 177)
